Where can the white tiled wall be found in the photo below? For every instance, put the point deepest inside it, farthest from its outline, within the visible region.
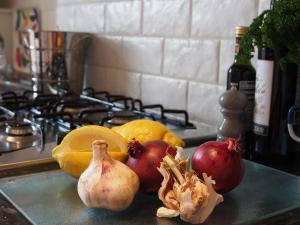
(166, 17)
(217, 18)
(123, 17)
(191, 59)
(171, 93)
(174, 52)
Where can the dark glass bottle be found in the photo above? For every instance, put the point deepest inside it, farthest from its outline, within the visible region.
(276, 88)
(275, 94)
(243, 73)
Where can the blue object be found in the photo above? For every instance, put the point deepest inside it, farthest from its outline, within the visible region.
(291, 120)
(291, 113)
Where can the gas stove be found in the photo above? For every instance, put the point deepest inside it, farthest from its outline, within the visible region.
(33, 123)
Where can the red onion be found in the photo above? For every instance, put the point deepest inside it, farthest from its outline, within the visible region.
(144, 161)
(222, 161)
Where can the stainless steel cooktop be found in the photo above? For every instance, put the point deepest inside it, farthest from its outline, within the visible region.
(32, 124)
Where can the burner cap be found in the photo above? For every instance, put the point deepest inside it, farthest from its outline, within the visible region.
(17, 128)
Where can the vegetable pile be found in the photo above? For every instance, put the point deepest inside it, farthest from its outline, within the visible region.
(278, 29)
(154, 166)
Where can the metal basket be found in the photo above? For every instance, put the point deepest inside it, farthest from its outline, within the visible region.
(56, 60)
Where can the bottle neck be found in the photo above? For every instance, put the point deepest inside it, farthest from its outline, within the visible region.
(241, 60)
(238, 52)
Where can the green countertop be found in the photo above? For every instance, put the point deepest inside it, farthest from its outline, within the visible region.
(50, 198)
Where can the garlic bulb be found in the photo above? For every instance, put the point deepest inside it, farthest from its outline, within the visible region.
(107, 183)
(183, 193)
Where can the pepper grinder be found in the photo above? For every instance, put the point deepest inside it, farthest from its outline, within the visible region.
(233, 104)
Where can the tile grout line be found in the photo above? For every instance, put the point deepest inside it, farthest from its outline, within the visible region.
(162, 61)
(190, 18)
(257, 7)
(151, 74)
(163, 36)
(142, 18)
(187, 95)
(219, 63)
(104, 15)
(141, 34)
(140, 85)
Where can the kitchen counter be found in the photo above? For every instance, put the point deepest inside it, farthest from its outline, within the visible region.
(9, 215)
(265, 196)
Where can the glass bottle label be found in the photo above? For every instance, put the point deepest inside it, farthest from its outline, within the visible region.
(263, 94)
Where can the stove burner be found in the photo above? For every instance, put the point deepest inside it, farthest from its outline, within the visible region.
(18, 135)
(17, 128)
(117, 118)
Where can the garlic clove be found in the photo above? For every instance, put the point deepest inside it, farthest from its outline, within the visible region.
(107, 183)
(165, 212)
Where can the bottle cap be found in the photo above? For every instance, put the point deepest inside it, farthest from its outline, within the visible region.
(240, 31)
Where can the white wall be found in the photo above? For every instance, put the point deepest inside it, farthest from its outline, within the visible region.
(174, 52)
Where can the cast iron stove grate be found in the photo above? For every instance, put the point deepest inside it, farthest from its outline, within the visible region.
(56, 115)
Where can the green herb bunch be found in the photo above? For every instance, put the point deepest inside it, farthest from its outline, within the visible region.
(278, 29)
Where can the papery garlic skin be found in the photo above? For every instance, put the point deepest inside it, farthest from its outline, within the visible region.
(180, 154)
(184, 194)
(198, 213)
(107, 183)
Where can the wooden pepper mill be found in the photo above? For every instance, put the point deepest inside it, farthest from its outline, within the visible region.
(233, 104)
